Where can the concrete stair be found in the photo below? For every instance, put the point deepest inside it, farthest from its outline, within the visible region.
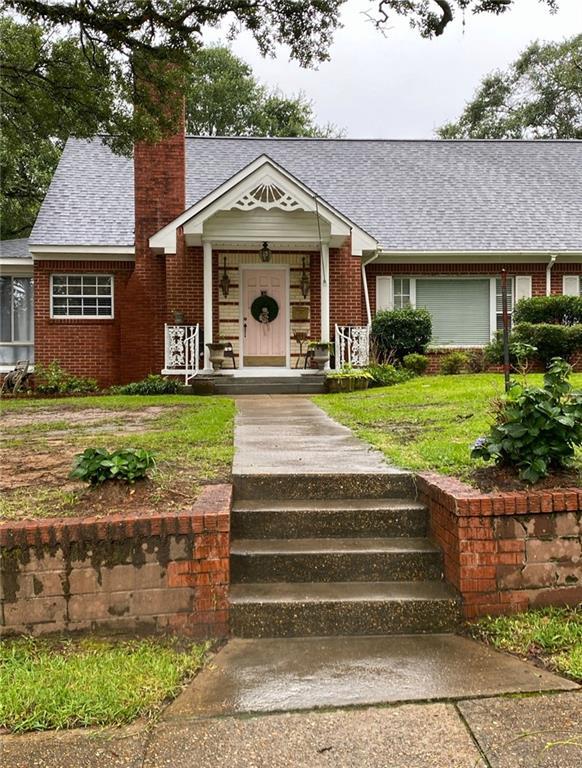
(317, 555)
(224, 384)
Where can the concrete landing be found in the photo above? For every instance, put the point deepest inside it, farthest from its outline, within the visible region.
(291, 435)
(273, 675)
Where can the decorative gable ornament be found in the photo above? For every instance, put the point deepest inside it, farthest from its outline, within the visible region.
(267, 195)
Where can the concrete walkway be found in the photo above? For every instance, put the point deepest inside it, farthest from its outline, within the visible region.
(531, 732)
(288, 434)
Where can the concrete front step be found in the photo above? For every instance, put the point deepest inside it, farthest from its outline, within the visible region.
(329, 560)
(290, 384)
(294, 519)
(342, 608)
(362, 485)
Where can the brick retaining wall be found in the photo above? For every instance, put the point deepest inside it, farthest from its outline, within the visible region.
(167, 572)
(506, 552)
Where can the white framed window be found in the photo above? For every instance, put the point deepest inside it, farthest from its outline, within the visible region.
(82, 296)
(401, 289)
(572, 285)
(16, 319)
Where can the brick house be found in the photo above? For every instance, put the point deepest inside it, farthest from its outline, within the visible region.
(133, 265)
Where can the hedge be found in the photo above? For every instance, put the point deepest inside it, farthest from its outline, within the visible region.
(556, 310)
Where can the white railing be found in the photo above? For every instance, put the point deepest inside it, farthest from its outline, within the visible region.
(352, 345)
(182, 345)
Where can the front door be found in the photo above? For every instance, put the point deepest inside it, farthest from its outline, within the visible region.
(264, 316)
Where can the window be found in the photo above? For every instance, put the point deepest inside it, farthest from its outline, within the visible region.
(401, 292)
(82, 296)
(572, 285)
(460, 310)
(499, 302)
(16, 320)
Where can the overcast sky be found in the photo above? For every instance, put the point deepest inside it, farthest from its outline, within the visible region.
(401, 86)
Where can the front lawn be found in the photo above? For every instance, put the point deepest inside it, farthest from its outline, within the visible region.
(550, 636)
(190, 437)
(428, 423)
(48, 684)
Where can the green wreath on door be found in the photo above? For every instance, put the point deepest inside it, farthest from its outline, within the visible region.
(264, 309)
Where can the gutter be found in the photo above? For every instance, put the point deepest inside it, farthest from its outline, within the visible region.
(365, 281)
(549, 268)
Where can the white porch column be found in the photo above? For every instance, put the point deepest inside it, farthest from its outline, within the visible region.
(324, 292)
(207, 302)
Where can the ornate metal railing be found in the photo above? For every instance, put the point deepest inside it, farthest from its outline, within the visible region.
(182, 345)
(352, 345)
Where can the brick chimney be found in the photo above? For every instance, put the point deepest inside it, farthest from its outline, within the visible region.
(159, 197)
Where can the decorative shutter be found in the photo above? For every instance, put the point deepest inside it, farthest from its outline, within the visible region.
(384, 296)
(571, 285)
(459, 308)
(522, 287)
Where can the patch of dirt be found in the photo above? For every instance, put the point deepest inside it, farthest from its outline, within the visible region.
(84, 417)
(37, 460)
(493, 479)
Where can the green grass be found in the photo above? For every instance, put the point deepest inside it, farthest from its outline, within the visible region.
(426, 423)
(553, 635)
(50, 684)
(191, 438)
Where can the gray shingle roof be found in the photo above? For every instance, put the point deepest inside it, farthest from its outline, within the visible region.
(410, 195)
(15, 249)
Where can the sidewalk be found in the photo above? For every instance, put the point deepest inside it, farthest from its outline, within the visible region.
(532, 732)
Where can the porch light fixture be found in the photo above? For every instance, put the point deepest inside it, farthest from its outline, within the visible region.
(225, 282)
(265, 253)
(304, 283)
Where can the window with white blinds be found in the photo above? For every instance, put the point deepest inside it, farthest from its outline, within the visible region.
(460, 310)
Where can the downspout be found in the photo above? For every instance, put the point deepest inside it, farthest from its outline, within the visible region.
(549, 268)
(365, 280)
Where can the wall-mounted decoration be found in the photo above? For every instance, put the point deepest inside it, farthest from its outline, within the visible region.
(225, 282)
(304, 283)
(299, 313)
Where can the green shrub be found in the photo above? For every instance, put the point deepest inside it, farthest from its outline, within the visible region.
(556, 310)
(477, 362)
(416, 363)
(53, 379)
(386, 375)
(154, 384)
(400, 332)
(544, 339)
(454, 362)
(95, 465)
(536, 429)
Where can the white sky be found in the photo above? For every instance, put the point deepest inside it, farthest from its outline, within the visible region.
(402, 86)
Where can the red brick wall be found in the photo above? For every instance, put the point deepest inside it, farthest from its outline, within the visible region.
(167, 572)
(88, 347)
(160, 196)
(506, 552)
(184, 283)
(345, 287)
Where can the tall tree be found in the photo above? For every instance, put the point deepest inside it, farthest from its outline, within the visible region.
(538, 97)
(224, 98)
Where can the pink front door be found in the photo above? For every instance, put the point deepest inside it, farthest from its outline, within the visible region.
(264, 297)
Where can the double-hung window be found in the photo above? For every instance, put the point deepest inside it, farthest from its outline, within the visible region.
(82, 296)
(572, 285)
(401, 290)
(16, 320)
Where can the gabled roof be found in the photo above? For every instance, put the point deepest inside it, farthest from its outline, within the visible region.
(15, 249)
(409, 195)
(276, 188)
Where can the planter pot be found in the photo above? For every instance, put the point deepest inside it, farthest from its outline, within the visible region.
(361, 383)
(216, 355)
(321, 355)
(333, 386)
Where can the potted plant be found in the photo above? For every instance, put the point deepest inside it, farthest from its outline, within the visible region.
(347, 379)
(216, 354)
(321, 352)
